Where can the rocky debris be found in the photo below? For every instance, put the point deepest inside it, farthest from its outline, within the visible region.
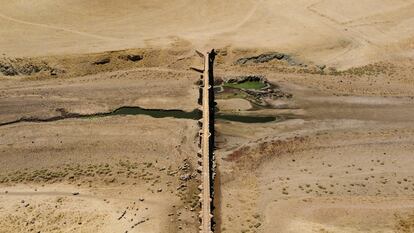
(267, 57)
(102, 61)
(321, 67)
(257, 225)
(258, 96)
(54, 72)
(185, 177)
(186, 189)
(222, 52)
(268, 91)
(181, 187)
(248, 78)
(271, 93)
(23, 66)
(131, 57)
(262, 58)
(185, 167)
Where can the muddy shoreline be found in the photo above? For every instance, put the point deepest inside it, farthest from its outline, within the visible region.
(155, 113)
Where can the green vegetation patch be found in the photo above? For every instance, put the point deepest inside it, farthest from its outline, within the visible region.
(256, 85)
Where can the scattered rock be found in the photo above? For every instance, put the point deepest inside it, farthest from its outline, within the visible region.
(185, 177)
(23, 66)
(321, 67)
(131, 57)
(266, 57)
(53, 72)
(247, 78)
(268, 91)
(102, 61)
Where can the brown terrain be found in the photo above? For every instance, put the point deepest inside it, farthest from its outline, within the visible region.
(337, 157)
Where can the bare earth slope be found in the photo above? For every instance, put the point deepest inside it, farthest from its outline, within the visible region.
(343, 164)
(337, 158)
(344, 153)
(334, 32)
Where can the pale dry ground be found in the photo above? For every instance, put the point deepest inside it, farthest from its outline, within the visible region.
(233, 104)
(112, 162)
(333, 32)
(97, 93)
(344, 165)
(344, 124)
(325, 171)
(53, 208)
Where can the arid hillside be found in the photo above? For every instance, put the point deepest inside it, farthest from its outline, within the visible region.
(100, 130)
(333, 32)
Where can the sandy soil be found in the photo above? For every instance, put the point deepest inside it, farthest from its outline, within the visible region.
(115, 164)
(113, 168)
(342, 155)
(339, 160)
(340, 163)
(341, 33)
(343, 165)
(98, 93)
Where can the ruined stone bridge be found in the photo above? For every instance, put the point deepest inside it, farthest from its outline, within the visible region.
(206, 155)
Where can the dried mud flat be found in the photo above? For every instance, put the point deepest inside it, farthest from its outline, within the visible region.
(341, 161)
(338, 157)
(344, 164)
(97, 175)
(105, 174)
